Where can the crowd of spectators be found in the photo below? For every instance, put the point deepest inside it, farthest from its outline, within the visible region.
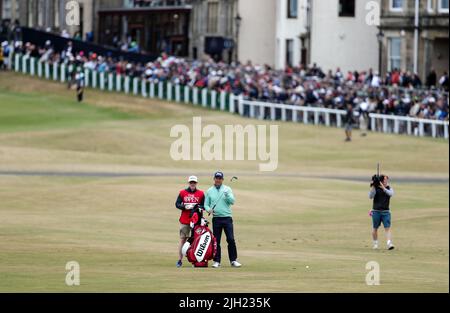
(399, 92)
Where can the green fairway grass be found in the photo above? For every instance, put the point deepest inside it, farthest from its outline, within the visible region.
(302, 228)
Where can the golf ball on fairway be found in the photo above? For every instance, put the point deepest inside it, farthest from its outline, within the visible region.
(307, 266)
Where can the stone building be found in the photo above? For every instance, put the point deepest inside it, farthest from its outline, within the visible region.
(341, 36)
(275, 34)
(397, 36)
(155, 26)
(9, 10)
(214, 29)
(51, 14)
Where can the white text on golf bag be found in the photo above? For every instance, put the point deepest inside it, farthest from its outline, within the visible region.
(203, 245)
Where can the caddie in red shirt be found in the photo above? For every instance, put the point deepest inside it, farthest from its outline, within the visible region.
(186, 201)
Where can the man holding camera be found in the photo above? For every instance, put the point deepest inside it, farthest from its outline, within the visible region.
(381, 193)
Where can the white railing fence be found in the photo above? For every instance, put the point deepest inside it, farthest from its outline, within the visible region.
(391, 124)
(227, 101)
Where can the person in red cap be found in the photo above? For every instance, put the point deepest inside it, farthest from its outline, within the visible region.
(187, 199)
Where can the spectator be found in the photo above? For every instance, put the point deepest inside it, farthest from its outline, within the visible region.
(65, 34)
(398, 94)
(431, 79)
(443, 82)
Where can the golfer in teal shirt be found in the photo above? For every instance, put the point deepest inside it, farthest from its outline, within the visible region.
(219, 199)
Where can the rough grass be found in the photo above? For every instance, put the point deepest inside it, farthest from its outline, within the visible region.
(123, 231)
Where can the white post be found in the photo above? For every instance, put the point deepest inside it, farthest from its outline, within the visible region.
(47, 70)
(94, 79)
(445, 131)
(24, 64)
(118, 82)
(409, 127)
(102, 80)
(169, 91)
(223, 97)
(16, 63)
(195, 95)
(39, 64)
(316, 117)
(433, 130)
(160, 90)
(252, 111)
(421, 129)
(339, 120)
(55, 71)
(385, 125)
(295, 116)
(213, 99)
(186, 94)
(32, 65)
(373, 124)
(135, 85)
(396, 126)
(327, 119)
(272, 113)
(241, 104)
(110, 82)
(10, 57)
(305, 117)
(126, 86)
(178, 93)
(144, 87)
(283, 114)
(204, 97)
(231, 106)
(262, 111)
(63, 73)
(152, 89)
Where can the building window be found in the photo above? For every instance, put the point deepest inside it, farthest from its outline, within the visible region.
(396, 5)
(30, 13)
(395, 49)
(347, 8)
(41, 13)
(292, 8)
(6, 12)
(430, 6)
(443, 6)
(213, 12)
(56, 6)
(289, 52)
(229, 21)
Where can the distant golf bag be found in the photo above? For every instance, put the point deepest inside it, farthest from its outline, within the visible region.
(202, 246)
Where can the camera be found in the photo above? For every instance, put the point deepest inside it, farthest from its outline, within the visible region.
(377, 180)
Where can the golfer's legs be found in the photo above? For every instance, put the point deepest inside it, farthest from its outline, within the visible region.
(217, 231)
(388, 234)
(229, 232)
(375, 234)
(180, 246)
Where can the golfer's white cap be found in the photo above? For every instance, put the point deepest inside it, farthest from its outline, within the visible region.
(193, 179)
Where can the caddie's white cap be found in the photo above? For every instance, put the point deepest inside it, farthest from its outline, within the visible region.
(193, 179)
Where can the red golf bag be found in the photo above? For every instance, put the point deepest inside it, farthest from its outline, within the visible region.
(202, 246)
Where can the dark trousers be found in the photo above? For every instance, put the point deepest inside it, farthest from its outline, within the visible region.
(226, 224)
(80, 94)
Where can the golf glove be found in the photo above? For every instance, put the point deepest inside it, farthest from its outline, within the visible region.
(189, 206)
